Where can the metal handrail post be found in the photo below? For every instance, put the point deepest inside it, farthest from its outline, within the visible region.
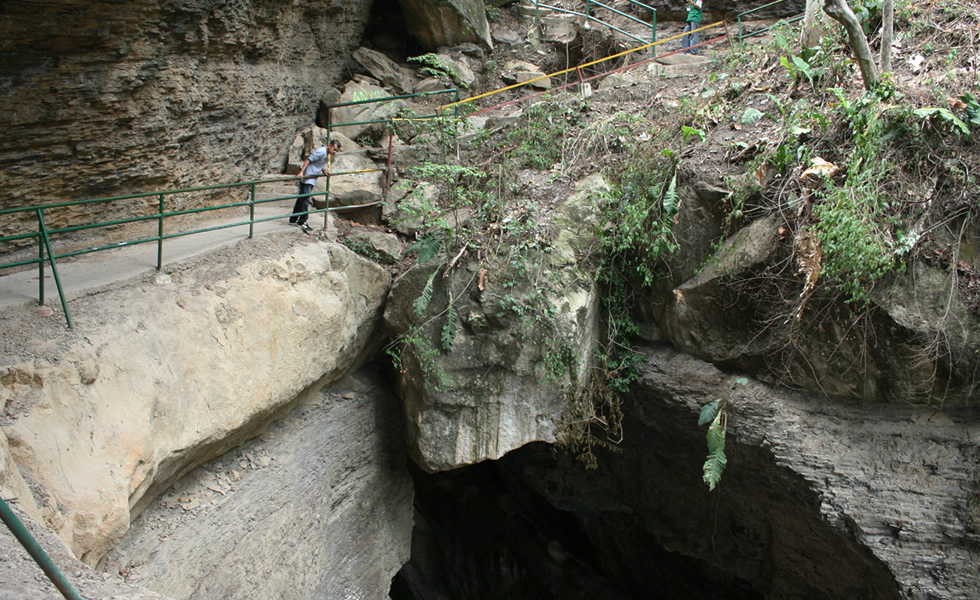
(160, 235)
(54, 268)
(326, 191)
(37, 553)
(653, 32)
(251, 211)
(40, 265)
(588, 9)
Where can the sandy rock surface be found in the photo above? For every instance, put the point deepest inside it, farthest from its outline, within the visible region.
(159, 376)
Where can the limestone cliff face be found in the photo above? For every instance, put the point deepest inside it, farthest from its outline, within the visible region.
(159, 379)
(103, 99)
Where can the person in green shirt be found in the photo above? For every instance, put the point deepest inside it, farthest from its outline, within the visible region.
(693, 22)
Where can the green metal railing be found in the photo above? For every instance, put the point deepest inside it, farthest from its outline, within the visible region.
(742, 36)
(37, 552)
(589, 18)
(43, 235)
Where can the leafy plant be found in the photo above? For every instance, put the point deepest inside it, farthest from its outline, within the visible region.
(751, 116)
(946, 116)
(796, 67)
(540, 141)
(715, 415)
(972, 109)
(856, 252)
(689, 132)
(437, 66)
(422, 302)
(364, 249)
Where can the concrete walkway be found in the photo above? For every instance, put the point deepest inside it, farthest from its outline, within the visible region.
(92, 272)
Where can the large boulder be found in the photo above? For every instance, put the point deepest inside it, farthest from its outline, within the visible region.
(367, 107)
(438, 23)
(383, 69)
(159, 377)
(357, 178)
(504, 382)
(692, 320)
(915, 341)
(490, 362)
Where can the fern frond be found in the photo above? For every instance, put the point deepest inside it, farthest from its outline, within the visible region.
(422, 302)
(427, 247)
(449, 330)
(713, 468)
(672, 199)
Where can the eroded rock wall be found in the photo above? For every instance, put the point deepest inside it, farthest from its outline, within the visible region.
(101, 99)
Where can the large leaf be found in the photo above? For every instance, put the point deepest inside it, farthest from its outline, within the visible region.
(946, 115)
(751, 115)
(713, 468)
(708, 412)
(716, 435)
(427, 247)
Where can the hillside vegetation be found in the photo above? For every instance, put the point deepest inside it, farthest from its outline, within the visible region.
(861, 186)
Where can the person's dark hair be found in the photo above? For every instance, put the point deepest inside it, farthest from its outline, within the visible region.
(335, 143)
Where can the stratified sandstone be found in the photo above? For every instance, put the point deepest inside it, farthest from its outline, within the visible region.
(103, 99)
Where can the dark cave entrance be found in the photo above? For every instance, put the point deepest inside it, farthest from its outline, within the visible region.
(482, 532)
(385, 32)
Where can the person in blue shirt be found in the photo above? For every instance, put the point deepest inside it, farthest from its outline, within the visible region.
(693, 22)
(312, 167)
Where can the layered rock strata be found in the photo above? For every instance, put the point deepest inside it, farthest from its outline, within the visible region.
(99, 100)
(820, 500)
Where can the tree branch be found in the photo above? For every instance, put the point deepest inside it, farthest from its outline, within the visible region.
(839, 11)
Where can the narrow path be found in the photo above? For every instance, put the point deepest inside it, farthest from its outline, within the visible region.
(91, 272)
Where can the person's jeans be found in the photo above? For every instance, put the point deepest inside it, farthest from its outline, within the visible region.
(302, 204)
(691, 39)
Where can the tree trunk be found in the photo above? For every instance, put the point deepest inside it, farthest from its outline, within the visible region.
(839, 11)
(813, 28)
(887, 33)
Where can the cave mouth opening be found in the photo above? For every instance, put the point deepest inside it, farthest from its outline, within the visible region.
(482, 532)
(385, 32)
